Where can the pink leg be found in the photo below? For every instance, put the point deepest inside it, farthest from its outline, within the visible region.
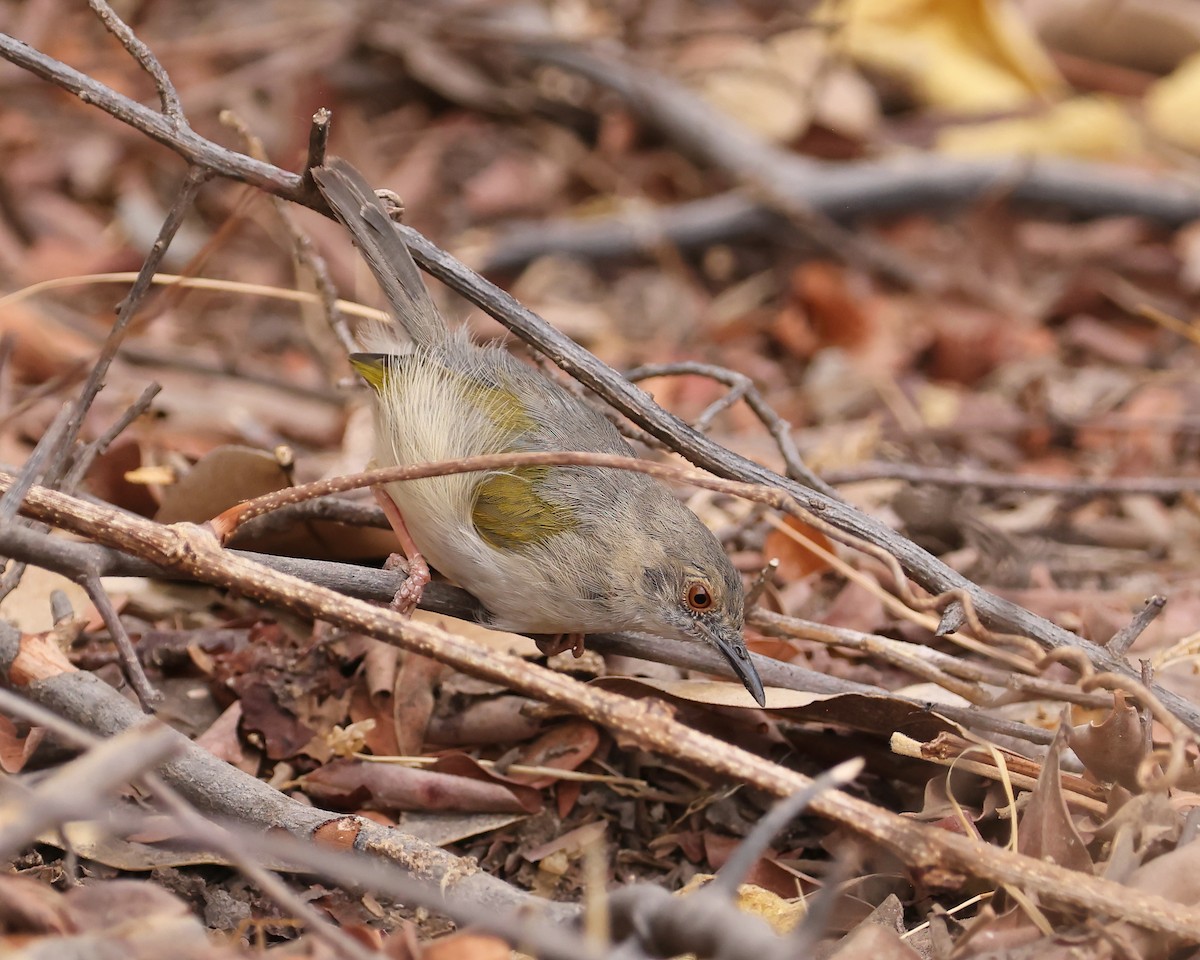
(551, 645)
(409, 594)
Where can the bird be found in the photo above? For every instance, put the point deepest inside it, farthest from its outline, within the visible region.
(557, 551)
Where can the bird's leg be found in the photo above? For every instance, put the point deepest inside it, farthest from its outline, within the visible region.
(409, 594)
(554, 643)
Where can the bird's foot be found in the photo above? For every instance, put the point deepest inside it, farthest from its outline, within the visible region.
(552, 644)
(409, 595)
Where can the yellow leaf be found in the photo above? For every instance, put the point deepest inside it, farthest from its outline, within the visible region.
(1172, 103)
(970, 56)
(1094, 128)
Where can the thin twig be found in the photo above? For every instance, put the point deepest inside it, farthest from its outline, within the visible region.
(85, 456)
(994, 480)
(146, 694)
(195, 179)
(318, 146)
(167, 94)
(741, 387)
(1123, 638)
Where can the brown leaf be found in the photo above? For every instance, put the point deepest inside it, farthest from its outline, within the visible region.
(563, 747)
(221, 479)
(466, 945)
(16, 750)
(796, 560)
(221, 740)
(281, 730)
(1047, 831)
(870, 941)
(349, 784)
(413, 702)
(1113, 749)
(835, 309)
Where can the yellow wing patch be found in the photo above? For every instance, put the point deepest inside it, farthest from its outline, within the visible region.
(509, 514)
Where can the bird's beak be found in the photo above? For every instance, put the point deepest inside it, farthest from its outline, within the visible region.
(733, 648)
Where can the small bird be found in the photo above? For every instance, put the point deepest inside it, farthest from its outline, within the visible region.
(553, 550)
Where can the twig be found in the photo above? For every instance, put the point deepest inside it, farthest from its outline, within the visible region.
(305, 254)
(318, 146)
(765, 170)
(847, 192)
(87, 454)
(741, 387)
(146, 694)
(994, 480)
(1123, 638)
(167, 94)
(923, 662)
(196, 178)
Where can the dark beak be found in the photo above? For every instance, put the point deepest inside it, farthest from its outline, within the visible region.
(733, 649)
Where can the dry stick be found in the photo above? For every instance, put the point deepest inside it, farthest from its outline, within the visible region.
(303, 251)
(994, 480)
(741, 387)
(146, 694)
(937, 858)
(233, 841)
(85, 456)
(318, 146)
(846, 192)
(145, 59)
(942, 668)
(1089, 188)
(1123, 638)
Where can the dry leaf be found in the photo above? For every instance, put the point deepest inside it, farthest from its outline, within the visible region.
(796, 560)
(971, 56)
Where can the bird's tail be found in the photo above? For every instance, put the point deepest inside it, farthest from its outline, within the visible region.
(354, 203)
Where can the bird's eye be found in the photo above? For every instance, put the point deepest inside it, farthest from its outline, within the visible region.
(699, 597)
